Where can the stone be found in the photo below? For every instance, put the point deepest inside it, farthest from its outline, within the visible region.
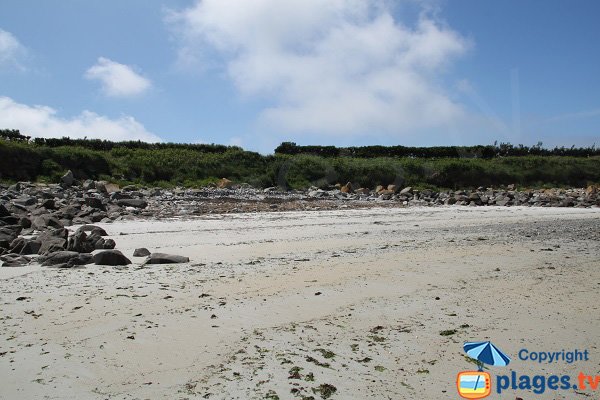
(141, 252)
(14, 260)
(46, 221)
(137, 203)
(362, 191)
(78, 242)
(94, 202)
(88, 184)
(68, 179)
(92, 229)
(406, 190)
(393, 188)
(53, 240)
(347, 188)
(25, 201)
(48, 204)
(591, 190)
(111, 257)
(25, 246)
(69, 258)
(379, 188)
(7, 235)
(224, 183)
(161, 258)
(3, 211)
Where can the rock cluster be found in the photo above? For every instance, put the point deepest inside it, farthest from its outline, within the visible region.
(33, 217)
(509, 196)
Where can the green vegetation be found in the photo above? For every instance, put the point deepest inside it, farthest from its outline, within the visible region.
(167, 165)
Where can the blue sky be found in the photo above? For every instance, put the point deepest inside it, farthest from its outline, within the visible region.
(345, 72)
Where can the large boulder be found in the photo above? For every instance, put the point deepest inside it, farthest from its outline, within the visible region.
(78, 242)
(66, 259)
(25, 246)
(7, 235)
(25, 201)
(161, 258)
(68, 179)
(53, 240)
(111, 257)
(3, 211)
(92, 229)
(44, 221)
(137, 203)
(95, 202)
(14, 260)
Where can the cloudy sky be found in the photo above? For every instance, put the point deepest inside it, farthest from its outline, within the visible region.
(345, 72)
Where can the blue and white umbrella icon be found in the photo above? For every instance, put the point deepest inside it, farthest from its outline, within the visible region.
(486, 353)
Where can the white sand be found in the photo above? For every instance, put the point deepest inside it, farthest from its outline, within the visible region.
(379, 272)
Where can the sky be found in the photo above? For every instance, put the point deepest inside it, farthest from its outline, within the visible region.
(255, 73)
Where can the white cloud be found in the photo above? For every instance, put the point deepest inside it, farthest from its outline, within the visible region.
(11, 51)
(338, 67)
(43, 121)
(118, 80)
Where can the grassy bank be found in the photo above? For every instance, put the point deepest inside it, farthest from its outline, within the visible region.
(169, 166)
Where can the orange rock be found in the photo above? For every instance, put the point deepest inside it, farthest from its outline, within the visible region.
(224, 183)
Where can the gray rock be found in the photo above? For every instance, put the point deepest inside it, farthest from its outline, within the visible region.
(25, 201)
(141, 252)
(92, 229)
(161, 258)
(53, 240)
(406, 190)
(111, 257)
(14, 260)
(48, 204)
(3, 211)
(7, 236)
(137, 203)
(46, 221)
(68, 178)
(71, 258)
(95, 202)
(25, 246)
(79, 242)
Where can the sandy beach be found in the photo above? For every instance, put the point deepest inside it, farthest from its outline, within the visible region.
(349, 304)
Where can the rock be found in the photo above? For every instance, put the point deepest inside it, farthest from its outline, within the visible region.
(7, 235)
(95, 202)
(406, 190)
(25, 201)
(88, 184)
(108, 244)
(92, 229)
(110, 187)
(111, 257)
(46, 221)
(68, 179)
(379, 188)
(591, 190)
(393, 188)
(347, 188)
(141, 252)
(68, 258)
(137, 203)
(78, 242)
(48, 204)
(3, 211)
(362, 191)
(224, 183)
(161, 258)
(14, 260)
(25, 246)
(53, 240)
